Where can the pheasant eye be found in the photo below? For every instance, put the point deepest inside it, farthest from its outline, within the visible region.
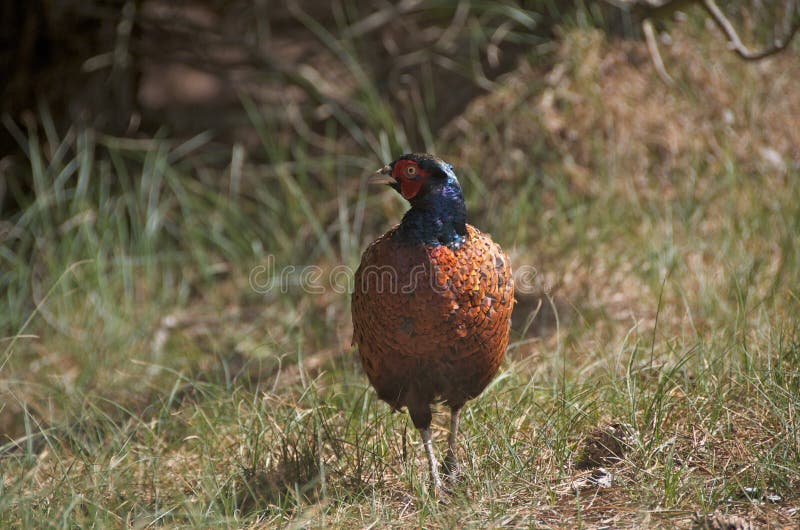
(411, 171)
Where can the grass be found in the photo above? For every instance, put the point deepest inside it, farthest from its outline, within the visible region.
(145, 383)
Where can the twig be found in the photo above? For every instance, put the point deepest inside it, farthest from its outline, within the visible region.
(735, 42)
(652, 45)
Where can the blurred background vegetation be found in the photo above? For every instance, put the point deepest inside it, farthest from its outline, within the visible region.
(153, 153)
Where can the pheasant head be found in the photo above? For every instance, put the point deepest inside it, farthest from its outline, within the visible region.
(438, 214)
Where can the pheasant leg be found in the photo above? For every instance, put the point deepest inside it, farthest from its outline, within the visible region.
(451, 466)
(433, 466)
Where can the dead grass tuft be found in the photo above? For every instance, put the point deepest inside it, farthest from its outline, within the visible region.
(604, 446)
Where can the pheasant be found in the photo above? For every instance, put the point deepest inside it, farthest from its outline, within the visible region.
(431, 303)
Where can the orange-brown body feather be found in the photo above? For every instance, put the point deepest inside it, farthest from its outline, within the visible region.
(432, 322)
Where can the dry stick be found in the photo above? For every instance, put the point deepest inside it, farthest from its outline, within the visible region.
(719, 18)
(735, 42)
(652, 46)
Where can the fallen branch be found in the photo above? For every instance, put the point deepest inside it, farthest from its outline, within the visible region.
(735, 42)
(650, 11)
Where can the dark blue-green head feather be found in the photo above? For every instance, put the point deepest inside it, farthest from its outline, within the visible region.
(438, 215)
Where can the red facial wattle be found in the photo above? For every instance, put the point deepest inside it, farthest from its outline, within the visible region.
(409, 184)
(409, 188)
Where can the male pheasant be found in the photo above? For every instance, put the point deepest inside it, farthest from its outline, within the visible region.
(431, 303)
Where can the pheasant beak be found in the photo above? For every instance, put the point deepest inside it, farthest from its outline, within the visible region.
(382, 176)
